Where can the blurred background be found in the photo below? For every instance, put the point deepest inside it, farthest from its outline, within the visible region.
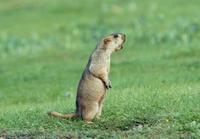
(34, 25)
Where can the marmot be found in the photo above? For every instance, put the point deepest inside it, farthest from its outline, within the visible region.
(95, 81)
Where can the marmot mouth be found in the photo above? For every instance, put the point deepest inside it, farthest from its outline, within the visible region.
(121, 46)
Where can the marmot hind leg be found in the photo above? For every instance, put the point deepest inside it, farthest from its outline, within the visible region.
(100, 108)
(89, 112)
(99, 111)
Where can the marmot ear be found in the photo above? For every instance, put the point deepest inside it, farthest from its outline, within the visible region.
(106, 41)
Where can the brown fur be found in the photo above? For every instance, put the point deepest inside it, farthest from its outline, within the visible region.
(94, 81)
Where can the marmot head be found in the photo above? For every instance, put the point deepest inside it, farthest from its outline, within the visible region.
(113, 42)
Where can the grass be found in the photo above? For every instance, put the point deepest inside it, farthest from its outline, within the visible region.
(45, 45)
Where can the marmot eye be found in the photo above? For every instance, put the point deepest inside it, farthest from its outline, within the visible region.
(115, 35)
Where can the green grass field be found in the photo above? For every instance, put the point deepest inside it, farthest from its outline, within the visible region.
(45, 45)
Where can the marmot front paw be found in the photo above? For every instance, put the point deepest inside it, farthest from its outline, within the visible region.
(108, 84)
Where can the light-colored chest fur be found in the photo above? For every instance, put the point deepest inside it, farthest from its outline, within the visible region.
(100, 60)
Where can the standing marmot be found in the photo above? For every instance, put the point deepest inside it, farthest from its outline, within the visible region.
(94, 81)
